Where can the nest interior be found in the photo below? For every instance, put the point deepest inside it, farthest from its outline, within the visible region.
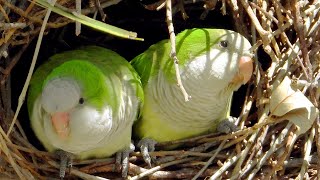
(285, 36)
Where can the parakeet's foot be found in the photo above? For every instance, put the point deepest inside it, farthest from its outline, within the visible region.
(147, 145)
(65, 161)
(122, 160)
(227, 125)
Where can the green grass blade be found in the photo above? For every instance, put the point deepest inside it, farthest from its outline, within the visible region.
(101, 26)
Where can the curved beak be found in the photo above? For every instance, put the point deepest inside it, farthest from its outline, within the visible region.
(245, 70)
(60, 122)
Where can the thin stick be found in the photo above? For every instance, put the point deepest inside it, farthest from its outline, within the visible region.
(79, 173)
(225, 167)
(173, 53)
(152, 170)
(307, 147)
(102, 14)
(78, 24)
(209, 161)
(7, 152)
(272, 149)
(33, 63)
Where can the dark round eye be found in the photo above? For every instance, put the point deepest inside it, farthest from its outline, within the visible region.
(81, 101)
(224, 43)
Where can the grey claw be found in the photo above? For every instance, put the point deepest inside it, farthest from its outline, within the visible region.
(65, 162)
(227, 125)
(122, 160)
(147, 145)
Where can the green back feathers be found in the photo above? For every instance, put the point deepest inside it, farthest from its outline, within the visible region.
(100, 72)
(190, 43)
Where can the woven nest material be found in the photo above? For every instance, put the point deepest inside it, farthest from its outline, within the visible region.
(286, 37)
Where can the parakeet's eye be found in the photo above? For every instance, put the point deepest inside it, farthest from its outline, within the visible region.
(81, 101)
(224, 43)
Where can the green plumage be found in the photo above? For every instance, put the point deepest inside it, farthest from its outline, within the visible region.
(106, 81)
(105, 61)
(209, 61)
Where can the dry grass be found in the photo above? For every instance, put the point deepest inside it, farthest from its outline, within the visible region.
(288, 31)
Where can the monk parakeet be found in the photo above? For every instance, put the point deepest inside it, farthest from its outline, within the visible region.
(213, 64)
(84, 102)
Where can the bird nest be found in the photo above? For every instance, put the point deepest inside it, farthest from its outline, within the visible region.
(279, 123)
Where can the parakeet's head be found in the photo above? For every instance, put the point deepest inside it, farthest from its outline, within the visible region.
(75, 100)
(59, 98)
(236, 49)
(220, 56)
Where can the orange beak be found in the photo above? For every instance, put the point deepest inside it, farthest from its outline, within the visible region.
(245, 70)
(60, 121)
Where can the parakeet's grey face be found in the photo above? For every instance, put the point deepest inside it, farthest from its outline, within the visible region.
(59, 97)
(237, 50)
(69, 118)
(228, 63)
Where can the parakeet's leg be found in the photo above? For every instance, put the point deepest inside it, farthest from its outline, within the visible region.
(147, 145)
(227, 125)
(65, 161)
(122, 160)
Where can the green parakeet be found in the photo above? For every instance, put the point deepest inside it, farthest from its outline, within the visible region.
(84, 102)
(212, 62)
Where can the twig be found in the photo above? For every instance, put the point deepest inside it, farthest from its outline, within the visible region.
(307, 147)
(6, 151)
(6, 26)
(25, 13)
(179, 174)
(173, 53)
(223, 7)
(152, 170)
(234, 5)
(272, 149)
(4, 52)
(250, 143)
(99, 168)
(33, 63)
(317, 125)
(209, 161)
(267, 14)
(195, 151)
(156, 6)
(29, 150)
(78, 24)
(78, 173)
(297, 162)
(182, 10)
(225, 166)
(4, 14)
(102, 14)
(208, 5)
(178, 153)
(11, 32)
(265, 35)
(299, 27)
(292, 137)
(13, 62)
